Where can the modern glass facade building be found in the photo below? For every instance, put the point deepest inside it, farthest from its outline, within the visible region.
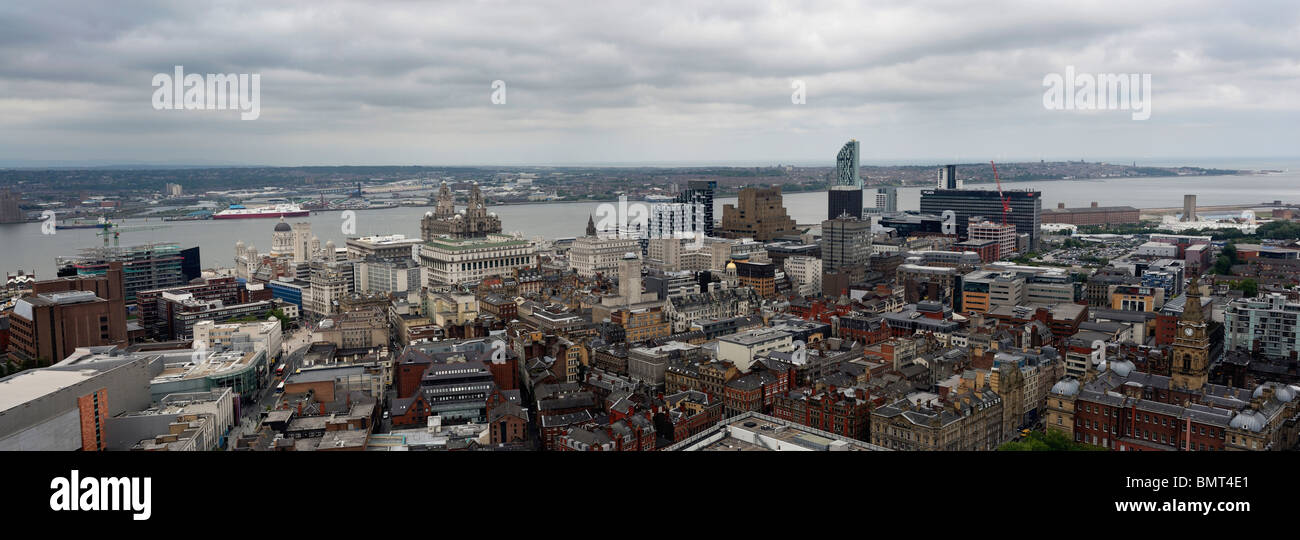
(846, 166)
(144, 267)
(1026, 208)
(947, 178)
(700, 192)
(841, 200)
(289, 291)
(845, 194)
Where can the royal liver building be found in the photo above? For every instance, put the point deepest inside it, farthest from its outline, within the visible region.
(472, 222)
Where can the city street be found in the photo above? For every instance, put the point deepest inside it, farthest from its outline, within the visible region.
(297, 338)
(251, 414)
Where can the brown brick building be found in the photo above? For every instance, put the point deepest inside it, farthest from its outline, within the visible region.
(409, 411)
(63, 314)
(843, 412)
(759, 214)
(94, 418)
(508, 423)
(689, 413)
(755, 391)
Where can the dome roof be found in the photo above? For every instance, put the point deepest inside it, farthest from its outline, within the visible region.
(428, 214)
(1247, 420)
(1283, 393)
(1122, 367)
(1066, 387)
(282, 226)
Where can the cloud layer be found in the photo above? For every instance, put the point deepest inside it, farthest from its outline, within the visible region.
(410, 83)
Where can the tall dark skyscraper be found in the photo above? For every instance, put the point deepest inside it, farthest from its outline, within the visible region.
(1026, 208)
(948, 178)
(191, 268)
(700, 191)
(845, 194)
(842, 200)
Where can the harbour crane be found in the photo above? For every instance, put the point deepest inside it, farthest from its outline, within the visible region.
(114, 230)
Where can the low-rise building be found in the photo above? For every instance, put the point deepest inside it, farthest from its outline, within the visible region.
(741, 349)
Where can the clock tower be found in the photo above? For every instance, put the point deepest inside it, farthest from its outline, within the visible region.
(1191, 350)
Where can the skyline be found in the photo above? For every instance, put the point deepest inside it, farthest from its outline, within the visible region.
(631, 84)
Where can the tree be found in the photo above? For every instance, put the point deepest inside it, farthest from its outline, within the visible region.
(1227, 258)
(1051, 441)
(284, 319)
(1249, 288)
(1279, 230)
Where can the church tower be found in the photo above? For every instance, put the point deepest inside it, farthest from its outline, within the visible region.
(1191, 350)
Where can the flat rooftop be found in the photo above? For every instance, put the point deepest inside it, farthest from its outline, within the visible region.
(753, 337)
(753, 432)
(213, 364)
(24, 386)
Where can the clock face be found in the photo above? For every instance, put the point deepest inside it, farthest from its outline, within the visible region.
(1187, 331)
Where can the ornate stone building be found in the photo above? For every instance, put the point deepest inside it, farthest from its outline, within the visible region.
(967, 421)
(1121, 408)
(684, 310)
(474, 222)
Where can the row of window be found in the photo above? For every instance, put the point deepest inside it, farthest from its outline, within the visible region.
(1144, 418)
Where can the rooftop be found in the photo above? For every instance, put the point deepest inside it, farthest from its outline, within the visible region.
(753, 432)
(24, 386)
(754, 337)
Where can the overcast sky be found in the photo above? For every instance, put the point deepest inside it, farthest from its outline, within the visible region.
(645, 81)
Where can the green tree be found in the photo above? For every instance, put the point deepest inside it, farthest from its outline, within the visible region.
(1248, 287)
(284, 319)
(1226, 259)
(1279, 230)
(1051, 441)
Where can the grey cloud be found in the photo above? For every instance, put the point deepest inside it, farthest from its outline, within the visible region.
(397, 77)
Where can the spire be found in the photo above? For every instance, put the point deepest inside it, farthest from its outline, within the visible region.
(591, 226)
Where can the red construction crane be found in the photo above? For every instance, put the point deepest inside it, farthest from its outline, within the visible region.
(1006, 207)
